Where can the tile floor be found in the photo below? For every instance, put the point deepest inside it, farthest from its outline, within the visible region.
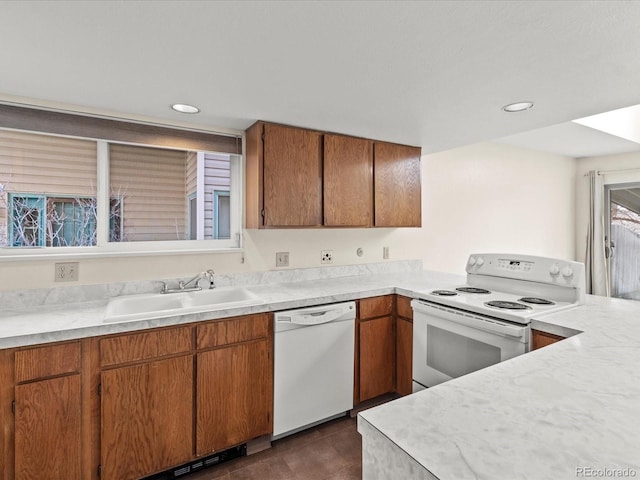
(331, 451)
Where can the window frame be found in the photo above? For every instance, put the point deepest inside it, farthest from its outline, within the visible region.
(216, 210)
(105, 248)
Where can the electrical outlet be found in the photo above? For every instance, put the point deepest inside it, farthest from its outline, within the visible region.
(385, 253)
(282, 259)
(326, 256)
(66, 272)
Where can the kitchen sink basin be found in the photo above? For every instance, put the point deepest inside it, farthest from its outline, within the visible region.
(134, 307)
(220, 298)
(136, 304)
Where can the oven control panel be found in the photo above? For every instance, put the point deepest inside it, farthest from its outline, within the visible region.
(514, 265)
(527, 267)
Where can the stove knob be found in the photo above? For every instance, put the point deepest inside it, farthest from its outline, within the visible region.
(472, 261)
(480, 261)
(554, 270)
(567, 272)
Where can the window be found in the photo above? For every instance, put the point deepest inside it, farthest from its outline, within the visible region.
(38, 220)
(221, 214)
(77, 196)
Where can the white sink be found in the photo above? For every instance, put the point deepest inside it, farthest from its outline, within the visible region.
(154, 305)
(136, 304)
(220, 298)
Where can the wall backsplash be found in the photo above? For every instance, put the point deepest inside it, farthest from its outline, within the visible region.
(18, 299)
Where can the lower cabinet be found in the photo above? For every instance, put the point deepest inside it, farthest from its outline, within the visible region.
(47, 413)
(404, 346)
(541, 339)
(376, 336)
(234, 395)
(48, 441)
(147, 418)
(128, 406)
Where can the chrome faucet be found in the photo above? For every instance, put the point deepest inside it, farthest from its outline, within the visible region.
(185, 286)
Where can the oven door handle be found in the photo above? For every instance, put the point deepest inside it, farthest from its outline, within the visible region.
(472, 320)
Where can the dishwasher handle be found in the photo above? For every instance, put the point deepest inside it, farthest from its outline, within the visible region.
(313, 318)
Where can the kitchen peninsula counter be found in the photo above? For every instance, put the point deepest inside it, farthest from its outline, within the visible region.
(569, 410)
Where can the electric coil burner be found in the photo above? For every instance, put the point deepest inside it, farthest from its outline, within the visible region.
(482, 291)
(507, 305)
(444, 293)
(536, 301)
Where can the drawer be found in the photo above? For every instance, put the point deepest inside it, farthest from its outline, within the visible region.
(234, 330)
(404, 307)
(144, 346)
(49, 361)
(376, 307)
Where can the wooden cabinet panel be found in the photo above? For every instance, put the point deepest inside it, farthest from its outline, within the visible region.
(377, 357)
(376, 306)
(147, 418)
(144, 346)
(541, 339)
(397, 185)
(348, 181)
(292, 182)
(234, 395)
(48, 361)
(48, 441)
(403, 306)
(233, 330)
(404, 351)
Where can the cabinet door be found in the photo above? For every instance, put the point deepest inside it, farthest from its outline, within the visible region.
(404, 347)
(348, 181)
(292, 187)
(397, 185)
(147, 418)
(234, 395)
(377, 351)
(47, 429)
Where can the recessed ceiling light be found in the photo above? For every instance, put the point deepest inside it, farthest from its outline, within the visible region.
(184, 108)
(517, 107)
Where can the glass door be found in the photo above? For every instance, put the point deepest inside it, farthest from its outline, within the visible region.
(623, 239)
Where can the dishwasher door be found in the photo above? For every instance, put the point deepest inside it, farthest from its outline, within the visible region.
(313, 366)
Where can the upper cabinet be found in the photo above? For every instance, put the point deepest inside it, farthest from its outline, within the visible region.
(397, 185)
(303, 178)
(348, 181)
(287, 163)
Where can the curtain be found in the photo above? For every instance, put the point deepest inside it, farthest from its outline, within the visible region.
(596, 264)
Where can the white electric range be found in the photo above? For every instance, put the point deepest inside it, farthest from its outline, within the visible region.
(458, 329)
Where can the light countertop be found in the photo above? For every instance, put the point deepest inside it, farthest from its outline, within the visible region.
(566, 411)
(542, 415)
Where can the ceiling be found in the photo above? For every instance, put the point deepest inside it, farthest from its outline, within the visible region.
(432, 73)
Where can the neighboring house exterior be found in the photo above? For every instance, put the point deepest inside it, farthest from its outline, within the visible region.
(48, 188)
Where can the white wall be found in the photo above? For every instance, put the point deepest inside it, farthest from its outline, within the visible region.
(485, 197)
(627, 163)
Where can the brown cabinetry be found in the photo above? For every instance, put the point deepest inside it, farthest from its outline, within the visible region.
(397, 185)
(404, 345)
(288, 162)
(147, 407)
(301, 178)
(541, 339)
(376, 375)
(47, 413)
(348, 181)
(234, 399)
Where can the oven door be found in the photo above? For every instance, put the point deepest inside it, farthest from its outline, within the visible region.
(449, 343)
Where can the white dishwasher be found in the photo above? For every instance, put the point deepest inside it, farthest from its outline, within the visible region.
(313, 366)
